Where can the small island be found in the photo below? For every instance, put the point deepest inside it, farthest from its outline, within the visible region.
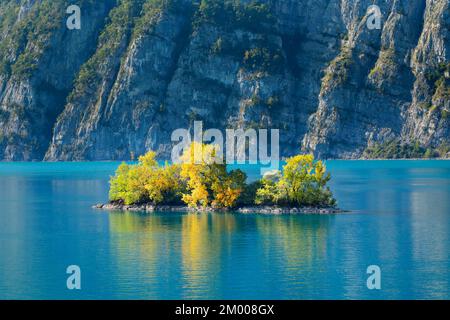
(201, 183)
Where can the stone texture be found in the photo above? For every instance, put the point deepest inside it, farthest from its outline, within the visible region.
(338, 87)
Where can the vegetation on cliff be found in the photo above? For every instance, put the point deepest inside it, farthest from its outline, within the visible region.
(252, 16)
(201, 181)
(395, 149)
(29, 37)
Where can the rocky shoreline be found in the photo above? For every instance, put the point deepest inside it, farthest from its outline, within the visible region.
(244, 210)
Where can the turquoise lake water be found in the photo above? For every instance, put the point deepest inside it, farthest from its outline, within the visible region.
(399, 220)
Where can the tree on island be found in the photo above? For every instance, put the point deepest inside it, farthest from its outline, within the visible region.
(208, 181)
(202, 181)
(147, 182)
(303, 182)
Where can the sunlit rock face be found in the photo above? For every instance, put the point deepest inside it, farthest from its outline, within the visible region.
(383, 85)
(39, 60)
(138, 70)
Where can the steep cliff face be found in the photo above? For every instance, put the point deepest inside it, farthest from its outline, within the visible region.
(121, 91)
(38, 62)
(311, 68)
(386, 86)
(427, 118)
(247, 66)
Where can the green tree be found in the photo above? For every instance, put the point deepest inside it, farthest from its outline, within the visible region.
(118, 183)
(146, 182)
(303, 182)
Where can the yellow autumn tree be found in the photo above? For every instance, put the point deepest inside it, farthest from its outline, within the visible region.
(208, 182)
(165, 186)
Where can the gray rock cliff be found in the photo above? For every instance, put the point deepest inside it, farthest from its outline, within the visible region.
(138, 70)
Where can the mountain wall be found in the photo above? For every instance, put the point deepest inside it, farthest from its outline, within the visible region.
(138, 70)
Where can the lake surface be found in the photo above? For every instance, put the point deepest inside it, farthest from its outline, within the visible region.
(400, 221)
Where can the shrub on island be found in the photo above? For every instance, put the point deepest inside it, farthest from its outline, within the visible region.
(303, 182)
(200, 182)
(147, 182)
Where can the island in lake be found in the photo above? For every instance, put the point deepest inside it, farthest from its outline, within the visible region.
(201, 183)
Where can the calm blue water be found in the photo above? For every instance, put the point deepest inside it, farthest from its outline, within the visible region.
(400, 221)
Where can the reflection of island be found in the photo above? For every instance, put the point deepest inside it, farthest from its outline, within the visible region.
(298, 240)
(180, 249)
(199, 252)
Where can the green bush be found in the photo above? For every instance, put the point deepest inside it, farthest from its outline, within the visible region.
(442, 89)
(248, 194)
(303, 182)
(147, 182)
(337, 71)
(252, 16)
(438, 78)
(264, 59)
(385, 67)
(396, 149)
